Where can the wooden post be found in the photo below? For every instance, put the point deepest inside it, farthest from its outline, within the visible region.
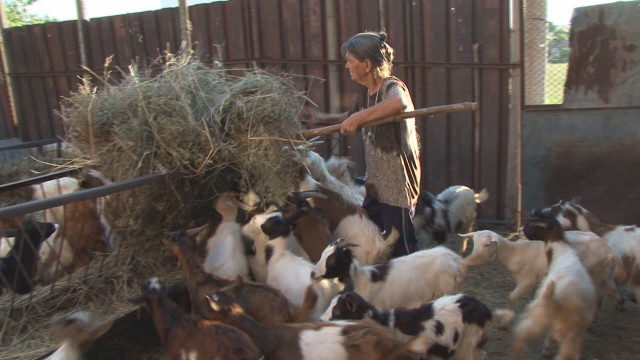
(81, 42)
(185, 26)
(6, 71)
(467, 106)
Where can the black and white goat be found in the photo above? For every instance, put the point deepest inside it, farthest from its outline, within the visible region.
(407, 281)
(18, 266)
(451, 212)
(450, 327)
(364, 340)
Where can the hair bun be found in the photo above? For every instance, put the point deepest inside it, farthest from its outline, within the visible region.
(382, 36)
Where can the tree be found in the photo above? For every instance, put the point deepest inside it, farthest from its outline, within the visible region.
(558, 43)
(17, 14)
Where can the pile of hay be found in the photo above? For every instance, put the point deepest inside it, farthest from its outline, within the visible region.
(212, 131)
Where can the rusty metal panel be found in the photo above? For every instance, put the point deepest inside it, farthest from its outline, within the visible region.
(433, 55)
(434, 154)
(604, 63)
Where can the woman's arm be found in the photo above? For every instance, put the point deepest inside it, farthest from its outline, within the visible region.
(395, 103)
(314, 117)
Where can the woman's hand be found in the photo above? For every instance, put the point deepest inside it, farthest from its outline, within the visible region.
(352, 123)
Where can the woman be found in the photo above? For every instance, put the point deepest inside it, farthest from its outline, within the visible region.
(391, 150)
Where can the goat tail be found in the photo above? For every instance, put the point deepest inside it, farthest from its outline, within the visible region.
(308, 304)
(503, 317)
(482, 196)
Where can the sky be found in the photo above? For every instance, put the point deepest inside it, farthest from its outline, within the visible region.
(558, 11)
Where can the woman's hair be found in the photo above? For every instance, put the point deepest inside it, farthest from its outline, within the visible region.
(372, 46)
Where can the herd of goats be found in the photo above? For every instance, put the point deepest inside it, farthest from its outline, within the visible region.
(313, 279)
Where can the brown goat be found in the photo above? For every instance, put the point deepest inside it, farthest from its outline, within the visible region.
(184, 336)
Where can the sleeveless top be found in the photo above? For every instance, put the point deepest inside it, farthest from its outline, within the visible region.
(391, 151)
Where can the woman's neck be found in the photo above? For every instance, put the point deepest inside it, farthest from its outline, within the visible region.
(374, 86)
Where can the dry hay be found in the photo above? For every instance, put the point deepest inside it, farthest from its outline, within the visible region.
(213, 132)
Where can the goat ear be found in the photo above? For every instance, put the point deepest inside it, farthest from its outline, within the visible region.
(495, 239)
(351, 305)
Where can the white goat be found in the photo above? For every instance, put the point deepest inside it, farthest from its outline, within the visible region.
(342, 168)
(225, 250)
(407, 281)
(623, 240)
(526, 261)
(451, 212)
(256, 240)
(291, 274)
(318, 170)
(566, 302)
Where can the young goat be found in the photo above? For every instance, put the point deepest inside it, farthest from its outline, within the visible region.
(623, 240)
(350, 222)
(364, 340)
(565, 303)
(451, 327)
(185, 336)
(262, 302)
(407, 281)
(451, 212)
(18, 266)
(291, 274)
(225, 250)
(75, 333)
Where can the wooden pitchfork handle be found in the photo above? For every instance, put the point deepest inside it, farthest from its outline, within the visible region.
(442, 109)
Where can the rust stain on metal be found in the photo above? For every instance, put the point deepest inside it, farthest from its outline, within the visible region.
(600, 56)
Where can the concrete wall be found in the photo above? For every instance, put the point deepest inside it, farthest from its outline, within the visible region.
(593, 155)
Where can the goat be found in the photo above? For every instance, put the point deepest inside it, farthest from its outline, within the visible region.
(256, 240)
(350, 222)
(452, 326)
(566, 301)
(342, 169)
(83, 230)
(262, 302)
(623, 240)
(18, 266)
(527, 264)
(75, 333)
(291, 274)
(407, 281)
(225, 250)
(317, 341)
(317, 168)
(451, 212)
(185, 336)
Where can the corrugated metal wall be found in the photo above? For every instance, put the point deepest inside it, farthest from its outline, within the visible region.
(434, 42)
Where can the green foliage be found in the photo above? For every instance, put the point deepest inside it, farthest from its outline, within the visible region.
(17, 13)
(558, 43)
(554, 81)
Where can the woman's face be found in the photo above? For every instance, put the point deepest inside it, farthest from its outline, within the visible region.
(357, 69)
